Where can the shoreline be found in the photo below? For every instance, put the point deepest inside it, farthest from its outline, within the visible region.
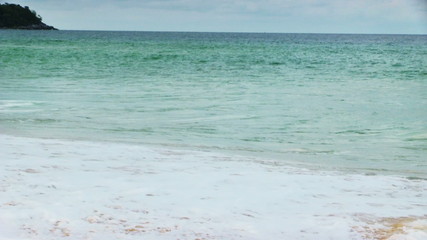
(55, 189)
(259, 157)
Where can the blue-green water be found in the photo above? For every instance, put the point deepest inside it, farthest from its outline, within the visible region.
(347, 102)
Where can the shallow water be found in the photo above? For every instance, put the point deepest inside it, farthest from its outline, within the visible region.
(346, 102)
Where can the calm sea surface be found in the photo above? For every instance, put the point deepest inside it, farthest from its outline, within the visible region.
(346, 102)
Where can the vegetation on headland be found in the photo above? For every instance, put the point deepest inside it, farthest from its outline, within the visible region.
(14, 16)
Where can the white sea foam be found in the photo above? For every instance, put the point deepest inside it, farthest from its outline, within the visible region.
(15, 103)
(54, 189)
(17, 106)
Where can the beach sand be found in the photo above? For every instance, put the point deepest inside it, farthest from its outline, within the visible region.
(61, 189)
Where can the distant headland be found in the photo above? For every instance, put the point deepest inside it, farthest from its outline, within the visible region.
(14, 16)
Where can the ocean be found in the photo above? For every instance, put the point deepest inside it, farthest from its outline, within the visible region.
(343, 105)
(347, 102)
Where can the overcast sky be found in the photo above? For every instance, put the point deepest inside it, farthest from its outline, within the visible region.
(300, 16)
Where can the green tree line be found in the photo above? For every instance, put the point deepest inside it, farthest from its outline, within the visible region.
(14, 15)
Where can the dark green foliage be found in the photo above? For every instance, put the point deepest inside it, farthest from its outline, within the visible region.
(15, 16)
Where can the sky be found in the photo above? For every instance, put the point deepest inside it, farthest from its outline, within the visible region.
(287, 16)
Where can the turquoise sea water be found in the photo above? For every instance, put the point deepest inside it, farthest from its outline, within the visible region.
(346, 102)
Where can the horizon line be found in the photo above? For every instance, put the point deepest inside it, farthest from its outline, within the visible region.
(241, 32)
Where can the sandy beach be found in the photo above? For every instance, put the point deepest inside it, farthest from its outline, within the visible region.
(57, 189)
(213, 120)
